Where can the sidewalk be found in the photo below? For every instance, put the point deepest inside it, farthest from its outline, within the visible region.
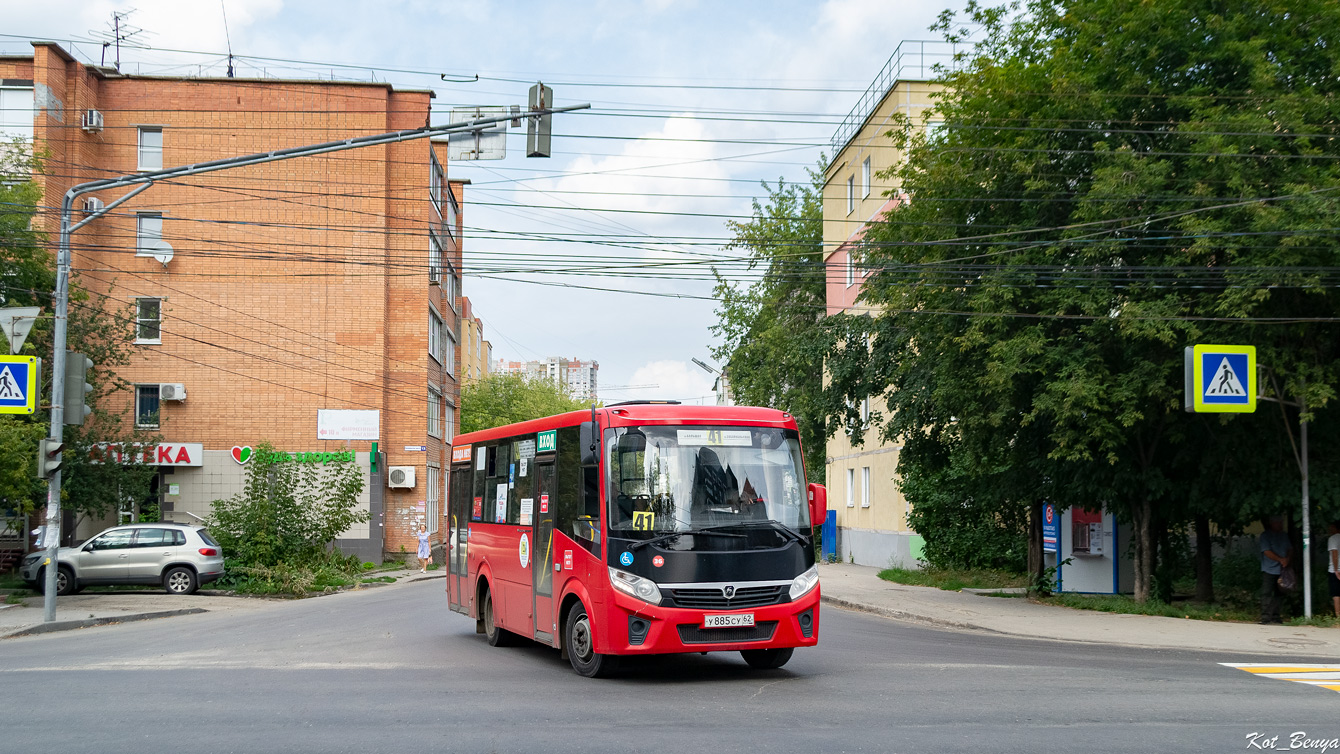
(860, 588)
(103, 608)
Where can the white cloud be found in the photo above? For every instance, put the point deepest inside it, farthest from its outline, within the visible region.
(674, 380)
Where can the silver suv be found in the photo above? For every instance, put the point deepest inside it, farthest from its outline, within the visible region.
(177, 556)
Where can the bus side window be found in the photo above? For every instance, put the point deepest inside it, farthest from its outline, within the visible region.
(573, 517)
(480, 478)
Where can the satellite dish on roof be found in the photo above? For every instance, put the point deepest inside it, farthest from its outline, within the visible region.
(160, 250)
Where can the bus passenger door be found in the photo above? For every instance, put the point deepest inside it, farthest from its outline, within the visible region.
(458, 521)
(542, 560)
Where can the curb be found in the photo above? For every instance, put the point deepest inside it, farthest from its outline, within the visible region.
(906, 616)
(69, 625)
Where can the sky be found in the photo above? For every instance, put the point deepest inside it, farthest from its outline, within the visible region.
(694, 104)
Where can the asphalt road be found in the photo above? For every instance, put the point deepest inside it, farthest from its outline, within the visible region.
(393, 670)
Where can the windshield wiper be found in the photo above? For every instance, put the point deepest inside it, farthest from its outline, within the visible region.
(776, 526)
(671, 535)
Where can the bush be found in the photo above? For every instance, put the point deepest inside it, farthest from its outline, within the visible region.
(289, 513)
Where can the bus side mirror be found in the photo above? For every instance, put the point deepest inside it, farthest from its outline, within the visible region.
(818, 504)
(589, 439)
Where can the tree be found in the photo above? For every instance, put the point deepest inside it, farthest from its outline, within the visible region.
(289, 512)
(772, 328)
(1115, 181)
(99, 327)
(505, 398)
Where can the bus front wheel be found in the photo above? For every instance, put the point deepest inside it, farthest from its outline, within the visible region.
(767, 659)
(580, 641)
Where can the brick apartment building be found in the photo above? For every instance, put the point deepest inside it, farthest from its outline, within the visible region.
(317, 283)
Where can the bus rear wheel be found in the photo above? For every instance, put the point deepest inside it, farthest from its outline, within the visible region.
(497, 636)
(580, 642)
(767, 659)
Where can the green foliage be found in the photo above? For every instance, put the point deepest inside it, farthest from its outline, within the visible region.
(1114, 181)
(772, 338)
(99, 327)
(955, 579)
(498, 399)
(287, 516)
(1116, 603)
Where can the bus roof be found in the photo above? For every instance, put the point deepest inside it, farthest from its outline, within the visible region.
(636, 414)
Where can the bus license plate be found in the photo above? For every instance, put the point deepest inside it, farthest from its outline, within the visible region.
(735, 620)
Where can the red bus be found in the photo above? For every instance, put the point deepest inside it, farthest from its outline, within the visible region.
(636, 529)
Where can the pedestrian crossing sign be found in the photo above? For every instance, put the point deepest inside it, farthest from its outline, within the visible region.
(18, 384)
(1221, 379)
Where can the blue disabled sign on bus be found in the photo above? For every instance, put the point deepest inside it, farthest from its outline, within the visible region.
(18, 384)
(1221, 379)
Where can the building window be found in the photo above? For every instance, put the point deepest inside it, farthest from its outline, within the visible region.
(451, 286)
(151, 148)
(148, 320)
(148, 232)
(146, 405)
(434, 336)
(434, 411)
(865, 413)
(851, 268)
(851, 488)
(434, 506)
(453, 211)
(865, 486)
(448, 340)
(436, 180)
(450, 425)
(434, 258)
(865, 179)
(851, 194)
(16, 113)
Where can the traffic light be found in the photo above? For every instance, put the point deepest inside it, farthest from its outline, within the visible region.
(539, 129)
(48, 457)
(77, 389)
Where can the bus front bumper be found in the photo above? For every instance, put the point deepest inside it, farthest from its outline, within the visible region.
(636, 627)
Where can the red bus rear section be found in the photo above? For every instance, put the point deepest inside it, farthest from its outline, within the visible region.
(637, 529)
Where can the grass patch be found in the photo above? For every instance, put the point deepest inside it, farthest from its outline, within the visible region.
(955, 579)
(1115, 603)
(11, 580)
(378, 580)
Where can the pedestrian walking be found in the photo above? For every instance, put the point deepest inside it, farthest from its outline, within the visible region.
(425, 554)
(1275, 554)
(1333, 564)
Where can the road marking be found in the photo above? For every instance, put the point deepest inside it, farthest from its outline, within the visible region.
(1324, 676)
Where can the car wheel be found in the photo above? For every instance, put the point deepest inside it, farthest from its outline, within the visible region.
(580, 642)
(65, 582)
(497, 636)
(767, 659)
(180, 580)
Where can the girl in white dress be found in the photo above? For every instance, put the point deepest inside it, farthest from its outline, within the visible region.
(425, 555)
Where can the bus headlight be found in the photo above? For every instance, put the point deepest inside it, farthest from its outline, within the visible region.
(636, 586)
(803, 583)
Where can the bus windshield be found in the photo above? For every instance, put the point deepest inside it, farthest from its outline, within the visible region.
(665, 479)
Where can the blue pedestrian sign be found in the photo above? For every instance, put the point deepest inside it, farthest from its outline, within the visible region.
(18, 384)
(1221, 379)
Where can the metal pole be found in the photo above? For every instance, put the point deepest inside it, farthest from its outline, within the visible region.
(52, 531)
(1307, 517)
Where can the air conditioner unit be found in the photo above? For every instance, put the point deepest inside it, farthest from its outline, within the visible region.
(91, 121)
(92, 204)
(172, 392)
(401, 477)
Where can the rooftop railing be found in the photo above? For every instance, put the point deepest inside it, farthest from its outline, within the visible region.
(912, 60)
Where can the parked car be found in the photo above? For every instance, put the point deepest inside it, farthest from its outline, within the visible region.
(177, 556)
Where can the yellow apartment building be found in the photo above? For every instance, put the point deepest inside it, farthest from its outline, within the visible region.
(862, 479)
